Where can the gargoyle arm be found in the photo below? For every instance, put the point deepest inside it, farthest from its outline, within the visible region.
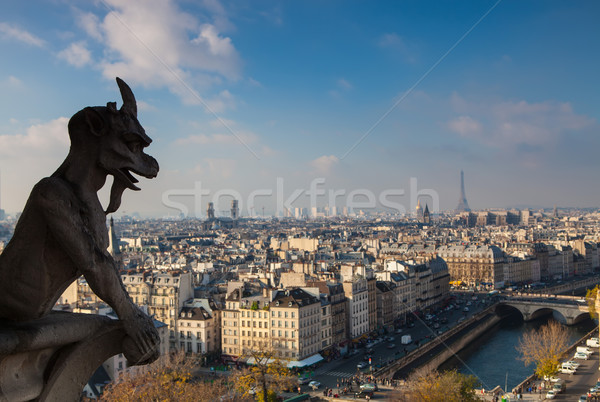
(65, 223)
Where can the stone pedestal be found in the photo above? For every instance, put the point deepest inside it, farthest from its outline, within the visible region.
(52, 358)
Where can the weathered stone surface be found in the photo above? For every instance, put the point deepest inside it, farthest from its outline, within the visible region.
(53, 357)
(62, 235)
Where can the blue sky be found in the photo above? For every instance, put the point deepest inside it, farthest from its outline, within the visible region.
(264, 97)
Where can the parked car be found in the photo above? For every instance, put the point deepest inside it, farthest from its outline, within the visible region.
(566, 370)
(580, 355)
(551, 394)
(573, 364)
(391, 345)
(314, 384)
(593, 342)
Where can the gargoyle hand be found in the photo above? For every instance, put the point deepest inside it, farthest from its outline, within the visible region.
(141, 345)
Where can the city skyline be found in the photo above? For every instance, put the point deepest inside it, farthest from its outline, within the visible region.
(243, 96)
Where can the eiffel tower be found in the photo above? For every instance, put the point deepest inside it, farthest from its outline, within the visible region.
(463, 205)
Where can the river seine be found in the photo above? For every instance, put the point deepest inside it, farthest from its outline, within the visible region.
(494, 359)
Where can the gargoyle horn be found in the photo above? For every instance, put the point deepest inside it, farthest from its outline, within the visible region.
(129, 103)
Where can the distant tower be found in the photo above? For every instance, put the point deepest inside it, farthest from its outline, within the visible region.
(426, 216)
(2, 214)
(210, 211)
(235, 211)
(463, 205)
(554, 212)
(419, 211)
(113, 242)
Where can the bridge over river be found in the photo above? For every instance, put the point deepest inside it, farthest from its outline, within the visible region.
(568, 310)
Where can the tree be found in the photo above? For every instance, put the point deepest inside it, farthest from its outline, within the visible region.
(590, 297)
(266, 376)
(433, 386)
(168, 379)
(544, 347)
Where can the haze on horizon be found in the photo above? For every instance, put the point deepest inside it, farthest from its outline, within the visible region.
(243, 96)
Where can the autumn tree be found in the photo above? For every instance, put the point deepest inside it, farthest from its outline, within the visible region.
(544, 347)
(590, 297)
(433, 386)
(168, 379)
(266, 376)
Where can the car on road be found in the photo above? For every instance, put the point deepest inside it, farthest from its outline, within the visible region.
(391, 345)
(580, 355)
(303, 380)
(314, 384)
(362, 365)
(399, 331)
(391, 339)
(364, 394)
(558, 387)
(566, 370)
(369, 386)
(551, 394)
(582, 398)
(573, 364)
(466, 309)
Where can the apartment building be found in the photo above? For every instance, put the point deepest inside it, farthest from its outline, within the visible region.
(334, 293)
(285, 321)
(163, 294)
(199, 327)
(474, 264)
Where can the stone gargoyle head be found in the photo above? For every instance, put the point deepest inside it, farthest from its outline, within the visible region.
(116, 139)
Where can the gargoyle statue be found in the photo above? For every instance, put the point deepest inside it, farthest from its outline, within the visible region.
(62, 231)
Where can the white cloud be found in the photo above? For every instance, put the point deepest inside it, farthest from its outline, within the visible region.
(343, 84)
(216, 168)
(518, 125)
(76, 54)
(11, 82)
(47, 139)
(224, 100)
(274, 16)
(324, 164)
(155, 44)
(222, 123)
(227, 139)
(90, 24)
(268, 151)
(29, 156)
(399, 45)
(465, 126)
(19, 34)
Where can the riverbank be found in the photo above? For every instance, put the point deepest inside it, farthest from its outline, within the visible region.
(441, 348)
